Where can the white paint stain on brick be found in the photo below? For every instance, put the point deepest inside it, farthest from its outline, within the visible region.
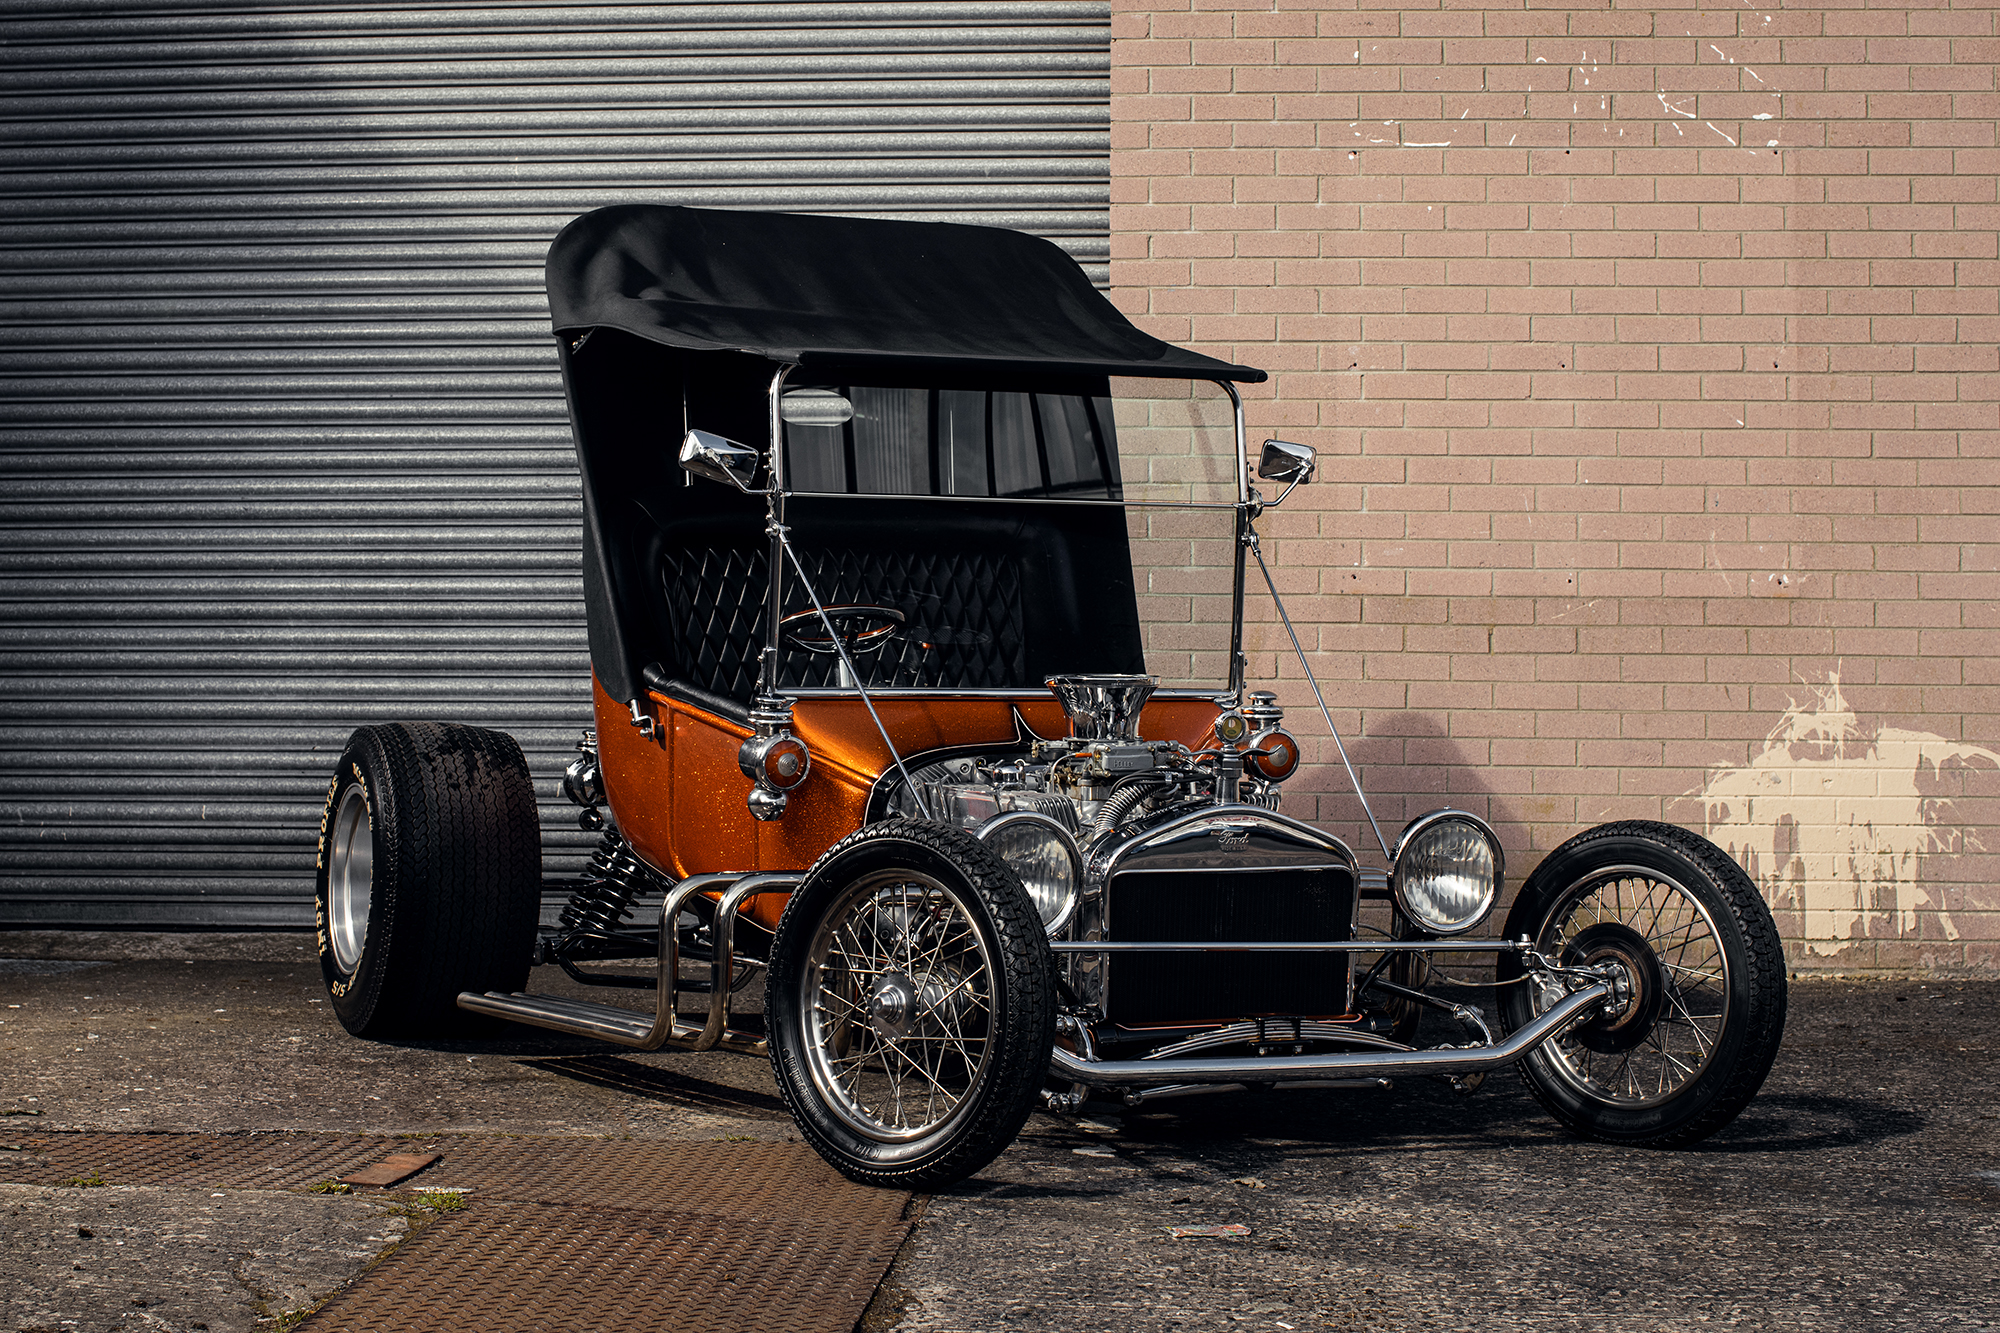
(1835, 821)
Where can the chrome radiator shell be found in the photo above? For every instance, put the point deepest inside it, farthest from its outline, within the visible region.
(1223, 841)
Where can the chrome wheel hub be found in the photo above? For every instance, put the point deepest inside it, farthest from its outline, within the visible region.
(892, 1006)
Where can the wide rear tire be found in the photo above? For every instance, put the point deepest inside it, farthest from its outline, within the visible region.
(911, 1005)
(1690, 1045)
(430, 877)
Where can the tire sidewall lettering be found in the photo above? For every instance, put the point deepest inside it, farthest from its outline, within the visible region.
(348, 775)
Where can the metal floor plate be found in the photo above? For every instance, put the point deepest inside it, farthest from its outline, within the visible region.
(222, 1161)
(568, 1233)
(528, 1268)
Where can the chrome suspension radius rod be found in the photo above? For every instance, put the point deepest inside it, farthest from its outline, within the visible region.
(783, 534)
(1250, 540)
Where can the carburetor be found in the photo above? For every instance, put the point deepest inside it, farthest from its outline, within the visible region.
(1085, 770)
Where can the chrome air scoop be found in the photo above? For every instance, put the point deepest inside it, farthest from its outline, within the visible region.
(1103, 708)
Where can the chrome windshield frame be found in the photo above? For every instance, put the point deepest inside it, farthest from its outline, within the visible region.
(1238, 664)
(774, 513)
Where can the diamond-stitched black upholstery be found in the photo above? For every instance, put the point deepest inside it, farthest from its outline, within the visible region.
(995, 593)
(713, 600)
(962, 614)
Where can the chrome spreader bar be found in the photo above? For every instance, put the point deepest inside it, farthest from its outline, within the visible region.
(1337, 1064)
(1292, 946)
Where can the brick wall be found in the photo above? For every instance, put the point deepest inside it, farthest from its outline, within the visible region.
(1651, 356)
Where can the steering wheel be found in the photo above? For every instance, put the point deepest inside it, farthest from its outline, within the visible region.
(857, 627)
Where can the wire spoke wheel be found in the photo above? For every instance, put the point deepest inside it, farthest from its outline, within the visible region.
(1700, 1006)
(1663, 1035)
(911, 1004)
(899, 1004)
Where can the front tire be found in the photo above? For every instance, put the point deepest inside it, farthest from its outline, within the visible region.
(911, 1005)
(430, 870)
(1692, 1043)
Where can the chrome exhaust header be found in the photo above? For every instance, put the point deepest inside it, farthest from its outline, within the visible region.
(664, 1026)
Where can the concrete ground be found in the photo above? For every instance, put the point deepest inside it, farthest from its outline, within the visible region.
(1860, 1191)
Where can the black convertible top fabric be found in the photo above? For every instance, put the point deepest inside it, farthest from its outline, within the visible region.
(798, 287)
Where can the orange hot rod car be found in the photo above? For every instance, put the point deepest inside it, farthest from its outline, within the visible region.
(915, 580)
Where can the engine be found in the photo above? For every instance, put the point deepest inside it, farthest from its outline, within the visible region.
(1056, 809)
(1102, 776)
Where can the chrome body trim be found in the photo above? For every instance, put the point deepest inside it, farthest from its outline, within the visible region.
(630, 1027)
(1123, 503)
(1021, 692)
(1337, 1064)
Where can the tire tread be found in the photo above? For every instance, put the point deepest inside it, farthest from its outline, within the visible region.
(458, 859)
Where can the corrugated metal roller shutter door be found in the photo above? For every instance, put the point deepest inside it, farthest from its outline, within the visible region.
(282, 436)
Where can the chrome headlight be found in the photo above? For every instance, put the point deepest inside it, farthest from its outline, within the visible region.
(1448, 868)
(1044, 856)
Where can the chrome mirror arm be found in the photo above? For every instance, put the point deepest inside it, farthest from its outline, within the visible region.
(1259, 503)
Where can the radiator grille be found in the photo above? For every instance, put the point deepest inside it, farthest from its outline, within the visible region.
(1224, 905)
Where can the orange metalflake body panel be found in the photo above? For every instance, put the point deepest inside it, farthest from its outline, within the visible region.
(1189, 721)
(638, 777)
(682, 803)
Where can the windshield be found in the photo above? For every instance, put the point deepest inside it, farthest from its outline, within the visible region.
(1016, 530)
(1139, 441)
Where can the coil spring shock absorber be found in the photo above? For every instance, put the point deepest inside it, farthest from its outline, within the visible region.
(591, 921)
(597, 908)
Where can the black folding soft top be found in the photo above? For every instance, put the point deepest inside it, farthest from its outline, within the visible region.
(798, 287)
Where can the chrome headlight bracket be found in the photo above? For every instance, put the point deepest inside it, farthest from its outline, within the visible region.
(1447, 871)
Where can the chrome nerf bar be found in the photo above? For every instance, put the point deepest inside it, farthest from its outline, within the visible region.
(1338, 1064)
(628, 1027)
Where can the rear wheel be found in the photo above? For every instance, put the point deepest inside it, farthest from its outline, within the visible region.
(429, 877)
(1703, 1013)
(910, 1005)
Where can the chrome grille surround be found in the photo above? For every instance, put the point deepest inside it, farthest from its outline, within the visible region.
(1217, 839)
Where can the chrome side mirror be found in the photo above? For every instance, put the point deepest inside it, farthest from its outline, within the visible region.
(1284, 461)
(718, 459)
